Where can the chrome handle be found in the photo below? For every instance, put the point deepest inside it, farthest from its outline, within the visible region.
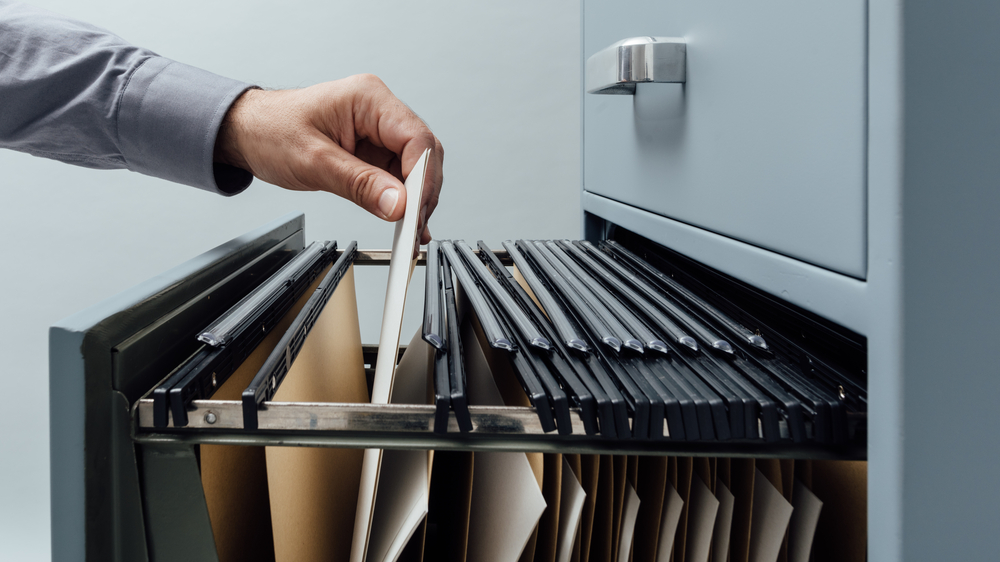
(618, 68)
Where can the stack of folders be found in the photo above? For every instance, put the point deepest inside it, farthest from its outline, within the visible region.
(288, 503)
(638, 354)
(576, 331)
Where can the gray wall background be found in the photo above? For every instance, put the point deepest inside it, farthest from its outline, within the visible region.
(497, 82)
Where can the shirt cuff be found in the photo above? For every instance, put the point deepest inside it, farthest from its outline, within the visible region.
(168, 118)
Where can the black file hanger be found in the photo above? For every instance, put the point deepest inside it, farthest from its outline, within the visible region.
(560, 280)
(456, 366)
(614, 291)
(680, 292)
(615, 277)
(250, 309)
(516, 318)
(593, 294)
(565, 363)
(538, 383)
(636, 402)
(561, 325)
(237, 333)
(480, 288)
(442, 390)
(433, 330)
(736, 401)
(789, 408)
(496, 335)
(161, 394)
(663, 369)
(271, 374)
(545, 363)
(643, 281)
(694, 325)
(664, 407)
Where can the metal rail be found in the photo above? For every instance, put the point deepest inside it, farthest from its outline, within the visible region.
(410, 426)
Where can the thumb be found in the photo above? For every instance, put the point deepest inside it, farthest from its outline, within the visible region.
(369, 187)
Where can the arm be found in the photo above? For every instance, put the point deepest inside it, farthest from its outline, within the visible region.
(76, 93)
(350, 137)
(79, 94)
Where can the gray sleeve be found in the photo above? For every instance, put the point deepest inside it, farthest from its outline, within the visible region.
(78, 94)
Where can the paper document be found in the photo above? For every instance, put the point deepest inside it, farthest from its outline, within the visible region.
(506, 500)
(404, 481)
(723, 521)
(313, 489)
(400, 267)
(771, 512)
(629, 511)
(570, 509)
(702, 511)
(672, 507)
(802, 527)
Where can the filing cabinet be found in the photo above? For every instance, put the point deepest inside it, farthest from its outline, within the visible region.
(840, 156)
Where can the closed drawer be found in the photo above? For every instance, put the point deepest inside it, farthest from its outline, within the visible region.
(764, 143)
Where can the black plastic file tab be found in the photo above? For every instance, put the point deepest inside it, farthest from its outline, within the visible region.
(433, 331)
(237, 334)
(456, 367)
(271, 374)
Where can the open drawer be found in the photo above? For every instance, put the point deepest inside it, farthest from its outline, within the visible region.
(131, 486)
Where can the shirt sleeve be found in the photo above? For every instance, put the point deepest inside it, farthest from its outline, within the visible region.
(78, 94)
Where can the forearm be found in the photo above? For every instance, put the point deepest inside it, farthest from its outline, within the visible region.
(76, 93)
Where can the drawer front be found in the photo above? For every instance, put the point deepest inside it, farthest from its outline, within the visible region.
(764, 143)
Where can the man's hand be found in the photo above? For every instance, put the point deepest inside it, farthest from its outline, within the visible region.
(350, 137)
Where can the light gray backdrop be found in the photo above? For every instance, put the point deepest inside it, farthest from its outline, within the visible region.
(498, 82)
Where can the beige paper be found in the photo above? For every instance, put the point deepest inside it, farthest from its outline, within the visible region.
(772, 470)
(802, 527)
(771, 513)
(701, 521)
(630, 509)
(570, 510)
(401, 264)
(547, 543)
(506, 499)
(400, 268)
(723, 522)
(672, 507)
(403, 485)
(313, 490)
(234, 478)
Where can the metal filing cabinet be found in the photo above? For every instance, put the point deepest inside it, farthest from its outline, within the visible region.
(838, 157)
(841, 156)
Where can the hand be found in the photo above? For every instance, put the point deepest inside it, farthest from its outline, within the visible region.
(350, 137)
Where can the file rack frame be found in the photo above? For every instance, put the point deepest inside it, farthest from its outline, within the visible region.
(123, 489)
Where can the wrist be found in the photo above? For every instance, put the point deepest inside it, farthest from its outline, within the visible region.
(229, 140)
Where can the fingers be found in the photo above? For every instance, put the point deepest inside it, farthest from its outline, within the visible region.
(384, 121)
(370, 187)
(350, 137)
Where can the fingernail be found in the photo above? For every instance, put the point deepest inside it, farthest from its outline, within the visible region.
(387, 201)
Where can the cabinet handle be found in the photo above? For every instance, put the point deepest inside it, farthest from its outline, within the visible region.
(619, 67)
